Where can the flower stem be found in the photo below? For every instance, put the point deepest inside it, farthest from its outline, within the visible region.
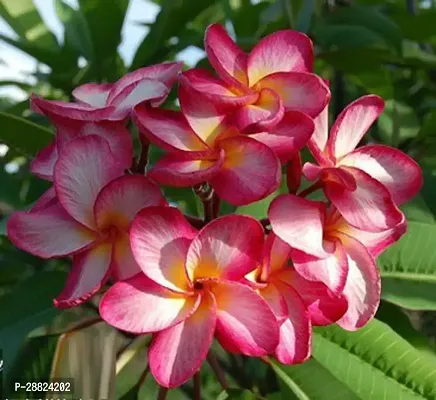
(143, 158)
(195, 221)
(213, 362)
(197, 386)
(317, 185)
(216, 205)
(206, 195)
(162, 395)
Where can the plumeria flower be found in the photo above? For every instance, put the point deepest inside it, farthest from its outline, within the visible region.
(189, 292)
(364, 184)
(327, 249)
(207, 147)
(297, 302)
(117, 136)
(275, 77)
(114, 101)
(89, 219)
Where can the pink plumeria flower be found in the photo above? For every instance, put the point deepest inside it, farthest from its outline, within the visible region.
(275, 77)
(328, 249)
(297, 302)
(364, 184)
(115, 133)
(96, 102)
(89, 218)
(190, 293)
(206, 147)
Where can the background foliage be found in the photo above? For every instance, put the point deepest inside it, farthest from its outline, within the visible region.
(366, 46)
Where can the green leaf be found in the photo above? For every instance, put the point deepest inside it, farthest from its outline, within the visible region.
(32, 305)
(408, 268)
(23, 17)
(24, 136)
(409, 24)
(297, 382)
(237, 394)
(305, 16)
(375, 362)
(372, 20)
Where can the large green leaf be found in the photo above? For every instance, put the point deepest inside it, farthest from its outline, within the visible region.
(28, 306)
(375, 362)
(24, 136)
(23, 17)
(297, 382)
(408, 268)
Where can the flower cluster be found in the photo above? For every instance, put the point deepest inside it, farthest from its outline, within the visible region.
(257, 288)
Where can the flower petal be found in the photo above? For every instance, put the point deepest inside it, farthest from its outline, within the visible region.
(204, 117)
(121, 199)
(187, 169)
(250, 172)
(167, 129)
(228, 247)
(264, 114)
(332, 270)
(43, 164)
(340, 177)
(375, 242)
(324, 307)
(276, 255)
(245, 322)
(136, 93)
(399, 173)
(93, 94)
(90, 271)
(160, 238)
(312, 171)
(49, 232)
(48, 198)
(352, 124)
(362, 289)
(177, 353)
(298, 91)
(80, 174)
(276, 301)
(229, 61)
(289, 136)
(124, 265)
(282, 51)
(295, 332)
(369, 207)
(55, 109)
(318, 140)
(203, 83)
(299, 222)
(139, 305)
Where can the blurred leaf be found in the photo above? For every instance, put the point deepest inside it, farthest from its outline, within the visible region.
(238, 394)
(297, 382)
(24, 136)
(418, 210)
(370, 19)
(305, 16)
(403, 116)
(32, 305)
(23, 17)
(418, 27)
(375, 361)
(408, 268)
(174, 14)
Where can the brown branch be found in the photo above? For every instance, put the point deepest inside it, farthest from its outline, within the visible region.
(162, 395)
(206, 194)
(317, 185)
(213, 362)
(197, 386)
(143, 158)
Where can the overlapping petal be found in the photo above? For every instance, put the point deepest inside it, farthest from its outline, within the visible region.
(177, 353)
(317, 143)
(91, 269)
(245, 322)
(123, 265)
(121, 199)
(43, 163)
(352, 124)
(48, 198)
(298, 91)
(369, 207)
(227, 248)
(299, 222)
(250, 172)
(80, 174)
(289, 136)
(48, 232)
(160, 238)
(282, 51)
(93, 94)
(399, 173)
(362, 289)
(226, 57)
(140, 305)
